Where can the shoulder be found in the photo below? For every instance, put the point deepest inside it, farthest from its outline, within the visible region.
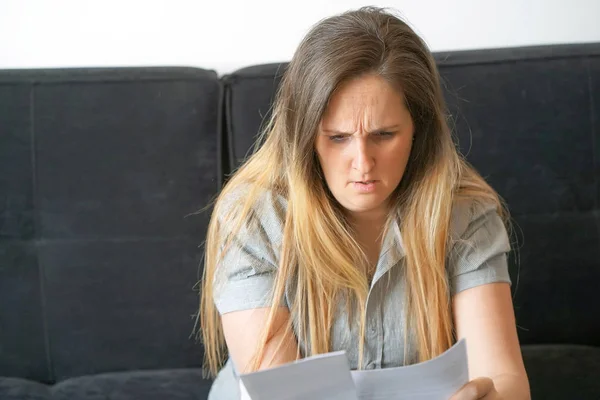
(477, 232)
(470, 215)
(260, 208)
(479, 242)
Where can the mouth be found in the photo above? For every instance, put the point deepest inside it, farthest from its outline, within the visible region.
(364, 186)
(365, 182)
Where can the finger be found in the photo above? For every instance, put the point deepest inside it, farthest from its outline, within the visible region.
(478, 388)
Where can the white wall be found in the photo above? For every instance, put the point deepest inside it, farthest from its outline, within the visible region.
(228, 34)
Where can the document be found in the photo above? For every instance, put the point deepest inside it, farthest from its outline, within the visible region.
(436, 379)
(322, 377)
(328, 376)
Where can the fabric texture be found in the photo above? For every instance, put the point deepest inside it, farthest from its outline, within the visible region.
(178, 384)
(101, 174)
(244, 279)
(22, 389)
(560, 372)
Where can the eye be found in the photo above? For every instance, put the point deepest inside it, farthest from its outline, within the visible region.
(338, 138)
(384, 134)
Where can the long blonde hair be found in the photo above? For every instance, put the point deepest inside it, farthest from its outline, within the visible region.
(318, 249)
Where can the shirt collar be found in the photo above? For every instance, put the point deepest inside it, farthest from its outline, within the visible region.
(392, 251)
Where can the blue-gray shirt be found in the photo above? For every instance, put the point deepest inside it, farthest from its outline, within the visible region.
(245, 280)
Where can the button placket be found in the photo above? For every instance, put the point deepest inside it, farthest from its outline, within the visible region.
(390, 255)
(370, 349)
(379, 330)
(374, 330)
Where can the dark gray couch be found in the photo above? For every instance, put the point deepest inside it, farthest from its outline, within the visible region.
(101, 171)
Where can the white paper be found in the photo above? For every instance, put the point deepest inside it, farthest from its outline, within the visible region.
(244, 392)
(328, 376)
(322, 377)
(436, 379)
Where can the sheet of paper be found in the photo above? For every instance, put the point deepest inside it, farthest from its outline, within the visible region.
(436, 379)
(322, 377)
(328, 376)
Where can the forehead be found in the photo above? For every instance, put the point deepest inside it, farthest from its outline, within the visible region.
(365, 100)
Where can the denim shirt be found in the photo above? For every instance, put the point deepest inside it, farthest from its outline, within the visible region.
(245, 279)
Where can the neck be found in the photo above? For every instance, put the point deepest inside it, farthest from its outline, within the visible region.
(368, 230)
(369, 219)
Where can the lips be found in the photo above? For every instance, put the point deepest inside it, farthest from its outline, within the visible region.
(364, 186)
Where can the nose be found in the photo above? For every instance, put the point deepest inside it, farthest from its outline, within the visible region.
(363, 161)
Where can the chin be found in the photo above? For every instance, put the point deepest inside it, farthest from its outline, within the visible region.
(362, 207)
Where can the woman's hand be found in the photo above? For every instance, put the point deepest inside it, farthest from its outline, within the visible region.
(478, 388)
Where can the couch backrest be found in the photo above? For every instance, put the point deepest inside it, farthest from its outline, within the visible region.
(99, 171)
(529, 120)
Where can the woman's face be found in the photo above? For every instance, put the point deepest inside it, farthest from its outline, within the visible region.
(363, 144)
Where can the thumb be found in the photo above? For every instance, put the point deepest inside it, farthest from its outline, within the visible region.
(475, 389)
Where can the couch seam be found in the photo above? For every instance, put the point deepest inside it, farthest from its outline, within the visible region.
(595, 149)
(100, 75)
(219, 138)
(37, 226)
(229, 134)
(509, 61)
(592, 129)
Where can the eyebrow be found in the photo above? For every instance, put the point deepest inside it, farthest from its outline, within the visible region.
(382, 129)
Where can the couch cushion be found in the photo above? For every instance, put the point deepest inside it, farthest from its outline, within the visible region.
(183, 384)
(249, 94)
(21, 389)
(121, 166)
(22, 339)
(558, 372)
(525, 119)
(556, 267)
(99, 250)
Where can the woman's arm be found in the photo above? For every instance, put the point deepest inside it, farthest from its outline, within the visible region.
(484, 316)
(243, 330)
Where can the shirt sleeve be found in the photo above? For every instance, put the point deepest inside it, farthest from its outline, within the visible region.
(479, 255)
(245, 276)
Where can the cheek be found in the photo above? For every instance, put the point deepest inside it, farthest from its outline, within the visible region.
(396, 158)
(332, 159)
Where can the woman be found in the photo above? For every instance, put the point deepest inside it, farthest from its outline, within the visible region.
(357, 226)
